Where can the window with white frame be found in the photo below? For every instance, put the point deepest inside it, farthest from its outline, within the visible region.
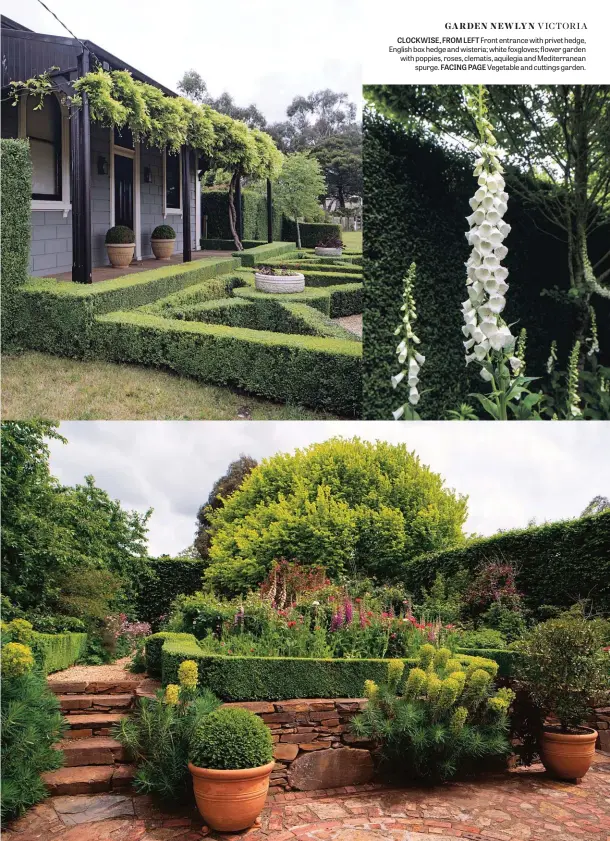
(173, 178)
(43, 127)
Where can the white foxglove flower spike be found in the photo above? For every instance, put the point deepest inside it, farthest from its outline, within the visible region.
(409, 359)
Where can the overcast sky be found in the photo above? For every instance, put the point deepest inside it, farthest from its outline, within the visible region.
(512, 472)
(265, 53)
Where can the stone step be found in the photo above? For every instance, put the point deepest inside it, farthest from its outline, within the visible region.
(98, 687)
(89, 779)
(85, 703)
(95, 750)
(94, 724)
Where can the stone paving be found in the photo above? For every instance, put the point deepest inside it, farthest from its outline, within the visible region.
(516, 806)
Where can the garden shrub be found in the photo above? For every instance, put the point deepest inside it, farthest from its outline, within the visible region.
(317, 297)
(262, 253)
(311, 232)
(16, 171)
(54, 652)
(231, 738)
(346, 300)
(305, 370)
(165, 579)
(557, 564)
(228, 244)
(316, 278)
(120, 235)
(278, 678)
(59, 317)
(417, 200)
(154, 645)
(317, 265)
(31, 725)
(440, 722)
(163, 232)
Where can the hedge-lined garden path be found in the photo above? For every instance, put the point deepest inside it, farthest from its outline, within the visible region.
(516, 806)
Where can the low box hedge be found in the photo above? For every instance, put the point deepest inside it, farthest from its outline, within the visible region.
(262, 253)
(58, 317)
(274, 678)
(311, 232)
(316, 278)
(228, 244)
(154, 645)
(316, 323)
(346, 300)
(317, 266)
(504, 657)
(317, 297)
(54, 652)
(304, 370)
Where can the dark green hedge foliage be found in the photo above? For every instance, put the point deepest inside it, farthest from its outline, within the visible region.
(163, 232)
(231, 738)
(417, 201)
(120, 235)
(274, 678)
(228, 244)
(557, 564)
(166, 579)
(15, 224)
(346, 300)
(54, 652)
(154, 646)
(215, 204)
(305, 265)
(303, 370)
(259, 255)
(59, 318)
(504, 657)
(311, 232)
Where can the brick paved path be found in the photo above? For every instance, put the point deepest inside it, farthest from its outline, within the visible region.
(519, 806)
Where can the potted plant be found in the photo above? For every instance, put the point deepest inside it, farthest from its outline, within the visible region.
(277, 279)
(563, 666)
(163, 240)
(120, 245)
(329, 247)
(231, 759)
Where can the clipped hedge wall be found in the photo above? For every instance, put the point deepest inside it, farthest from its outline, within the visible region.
(228, 244)
(557, 564)
(416, 202)
(215, 205)
(16, 168)
(58, 317)
(274, 678)
(305, 370)
(154, 645)
(54, 652)
(166, 579)
(256, 256)
(346, 300)
(311, 232)
(504, 657)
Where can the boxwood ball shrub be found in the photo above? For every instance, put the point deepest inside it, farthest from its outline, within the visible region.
(120, 235)
(231, 738)
(163, 232)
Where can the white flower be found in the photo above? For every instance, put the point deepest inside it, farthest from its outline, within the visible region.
(515, 363)
(398, 378)
(486, 375)
(398, 413)
(413, 396)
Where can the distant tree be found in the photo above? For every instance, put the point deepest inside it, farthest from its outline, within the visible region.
(312, 118)
(340, 157)
(189, 552)
(596, 506)
(193, 86)
(221, 490)
(299, 187)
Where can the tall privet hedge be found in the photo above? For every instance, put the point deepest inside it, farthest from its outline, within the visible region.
(417, 197)
(166, 579)
(215, 204)
(556, 564)
(15, 223)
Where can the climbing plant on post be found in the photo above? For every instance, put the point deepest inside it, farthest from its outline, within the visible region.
(299, 187)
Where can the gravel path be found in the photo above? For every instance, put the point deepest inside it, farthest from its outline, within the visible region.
(113, 672)
(353, 323)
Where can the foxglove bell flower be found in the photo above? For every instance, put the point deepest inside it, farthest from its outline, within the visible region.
(409, 359)
(484, 329)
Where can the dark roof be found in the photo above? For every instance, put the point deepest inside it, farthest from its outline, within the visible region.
(26, 54)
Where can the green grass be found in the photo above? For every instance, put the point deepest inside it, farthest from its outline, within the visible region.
(39, 385)
(352, 240)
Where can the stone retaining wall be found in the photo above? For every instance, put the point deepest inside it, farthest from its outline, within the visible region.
(313, 746)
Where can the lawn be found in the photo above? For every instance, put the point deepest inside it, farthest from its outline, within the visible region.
(352, 240)
(39, 385)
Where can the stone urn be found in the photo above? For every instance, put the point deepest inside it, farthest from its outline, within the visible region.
(278, 284)
(230, 801)
(120, 254)
(163, 248)
(321, 251)
(568, 756)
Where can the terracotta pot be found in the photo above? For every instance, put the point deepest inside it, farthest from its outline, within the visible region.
(163, 248)
(279, 283)
(568, 756)
(230, 801)
(120, 255)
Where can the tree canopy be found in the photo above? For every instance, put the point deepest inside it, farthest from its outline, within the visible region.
(299, 187)
(348, 505)
(61, 544)
(193, 86)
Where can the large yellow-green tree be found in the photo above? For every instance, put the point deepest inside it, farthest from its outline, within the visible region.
(355, 507)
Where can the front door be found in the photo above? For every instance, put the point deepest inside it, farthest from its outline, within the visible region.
(123, 191)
